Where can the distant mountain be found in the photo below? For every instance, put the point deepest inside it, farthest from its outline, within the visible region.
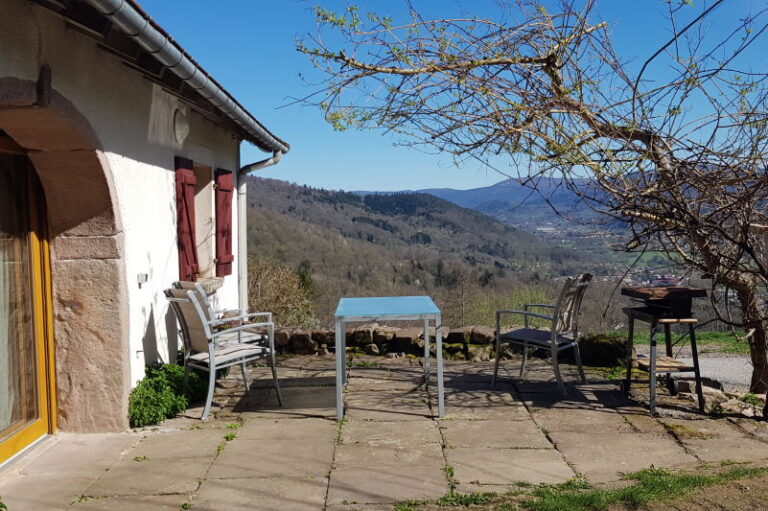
(551, 211)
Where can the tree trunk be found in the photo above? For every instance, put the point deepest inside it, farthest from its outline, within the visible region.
(755, 319)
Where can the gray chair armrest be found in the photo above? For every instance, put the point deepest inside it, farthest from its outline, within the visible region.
(243, 317)
(525, 313)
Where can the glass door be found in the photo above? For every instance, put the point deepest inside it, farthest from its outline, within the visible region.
(25, 399)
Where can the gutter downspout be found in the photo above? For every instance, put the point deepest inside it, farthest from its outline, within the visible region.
(242, 225)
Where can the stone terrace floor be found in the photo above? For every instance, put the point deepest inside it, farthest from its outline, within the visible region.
(390, 448)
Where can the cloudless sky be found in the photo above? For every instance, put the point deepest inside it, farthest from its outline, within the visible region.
(249, 47)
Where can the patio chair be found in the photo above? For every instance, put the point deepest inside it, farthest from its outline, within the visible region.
(210, 350)
(562, 334)
(233, 316)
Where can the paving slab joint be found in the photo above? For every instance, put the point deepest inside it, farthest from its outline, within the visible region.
(743, 430)
(546, 434)
(447, 468)
(671, 432)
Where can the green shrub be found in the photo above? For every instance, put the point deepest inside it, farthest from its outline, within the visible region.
(160, 395)
(2, 506)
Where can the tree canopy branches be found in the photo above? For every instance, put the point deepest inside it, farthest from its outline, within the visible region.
(681, 159)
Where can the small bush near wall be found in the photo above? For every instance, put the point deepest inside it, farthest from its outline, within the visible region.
(160, 395)
(274, 286)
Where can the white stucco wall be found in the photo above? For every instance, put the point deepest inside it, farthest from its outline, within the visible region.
(133, 121)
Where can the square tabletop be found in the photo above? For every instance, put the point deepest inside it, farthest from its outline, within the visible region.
(386, 306)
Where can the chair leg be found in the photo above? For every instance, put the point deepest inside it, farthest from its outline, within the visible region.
(185, 379)
(211, 387)
(556, 369)
(244, 369)
(577, 354)
(525, 359)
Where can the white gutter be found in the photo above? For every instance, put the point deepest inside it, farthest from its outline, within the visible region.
(128, 17)
(242, 223)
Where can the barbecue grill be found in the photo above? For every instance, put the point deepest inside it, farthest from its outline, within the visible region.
(673, 301)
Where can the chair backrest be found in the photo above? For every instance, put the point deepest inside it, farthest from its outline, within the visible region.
(566, 316)
(201, 294)
(187, 307)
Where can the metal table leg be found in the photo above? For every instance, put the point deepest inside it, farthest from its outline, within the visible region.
(439, 354)
(341, 362)
(426, 352)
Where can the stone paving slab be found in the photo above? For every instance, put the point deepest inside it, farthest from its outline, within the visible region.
(605, 456)
(383, 384)
(595, 420)
(714, 441)
(472, 400)
(363, 456)
(133, 502)
(189, 443)
(261, 494)
(298, 402)
(390, 434)
(372, 485)
(273, 458)
(25, 493)
(79, 455)
(289, 429)
(409, 374)
(387, 406)
(494, 433)
(507, 466)
(151, 477)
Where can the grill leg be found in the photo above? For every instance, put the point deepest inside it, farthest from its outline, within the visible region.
(668, 342)
(696, 370)
(630, 342)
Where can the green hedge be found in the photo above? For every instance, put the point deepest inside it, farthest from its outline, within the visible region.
(160, 395)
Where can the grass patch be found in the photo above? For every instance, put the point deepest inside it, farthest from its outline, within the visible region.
(465, 499)
(230, 436)
(363, 363)
(450, 499)
(725, 342)
(652, 484)
(139, 459)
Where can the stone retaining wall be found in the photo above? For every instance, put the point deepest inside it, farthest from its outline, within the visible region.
(473, 343)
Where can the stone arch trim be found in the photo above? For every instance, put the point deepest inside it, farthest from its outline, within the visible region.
(88, 273)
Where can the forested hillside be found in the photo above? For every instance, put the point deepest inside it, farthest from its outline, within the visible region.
(343, 243)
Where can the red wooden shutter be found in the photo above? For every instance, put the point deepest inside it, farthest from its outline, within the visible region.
(185, 210)
(225, 186)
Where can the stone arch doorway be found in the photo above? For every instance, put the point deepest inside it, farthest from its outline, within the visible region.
(89, 296)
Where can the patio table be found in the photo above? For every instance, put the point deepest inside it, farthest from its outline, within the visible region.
(392, 308)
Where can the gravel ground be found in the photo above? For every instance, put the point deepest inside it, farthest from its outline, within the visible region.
(733, 371)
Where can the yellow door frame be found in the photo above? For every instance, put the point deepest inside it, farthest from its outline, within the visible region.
(40, 269)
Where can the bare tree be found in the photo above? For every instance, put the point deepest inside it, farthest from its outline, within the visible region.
(682, 161)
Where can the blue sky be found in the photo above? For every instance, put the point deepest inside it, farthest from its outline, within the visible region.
(249, 47)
